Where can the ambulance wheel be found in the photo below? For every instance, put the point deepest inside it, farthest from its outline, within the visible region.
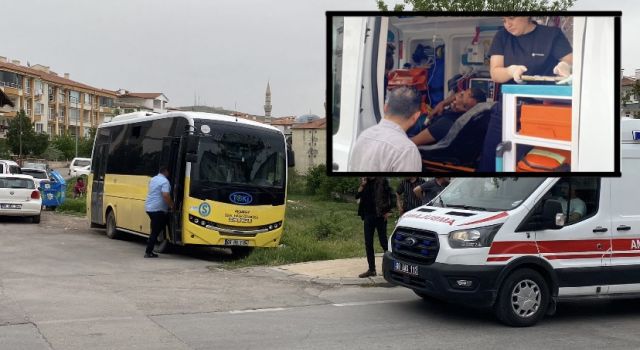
(112, 232)
(523, 298)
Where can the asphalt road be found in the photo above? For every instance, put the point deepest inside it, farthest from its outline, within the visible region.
(64, 286)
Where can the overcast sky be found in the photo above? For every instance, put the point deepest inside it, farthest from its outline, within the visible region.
(222, 51)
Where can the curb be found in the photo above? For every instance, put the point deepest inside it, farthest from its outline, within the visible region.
(377, 281)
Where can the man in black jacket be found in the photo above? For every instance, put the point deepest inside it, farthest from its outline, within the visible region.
(374, 209)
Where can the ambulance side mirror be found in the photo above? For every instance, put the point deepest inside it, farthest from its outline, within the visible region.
(552, 216)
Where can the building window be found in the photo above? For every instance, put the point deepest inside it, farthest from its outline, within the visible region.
(60, 95)
(87, 99)
(38, 127)
(74, 96)
(157, 104)
(74, 115)
(38, 88)
(39, 108)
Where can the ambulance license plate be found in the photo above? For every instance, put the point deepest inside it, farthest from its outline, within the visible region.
(236, 242)
(406, 268)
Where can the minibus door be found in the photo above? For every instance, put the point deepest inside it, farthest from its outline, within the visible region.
(172, 156)
(99, 168)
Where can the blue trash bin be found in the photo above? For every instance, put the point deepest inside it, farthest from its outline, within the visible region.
(53, 191)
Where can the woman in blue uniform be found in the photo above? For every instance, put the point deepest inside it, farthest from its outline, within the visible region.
(522, 46)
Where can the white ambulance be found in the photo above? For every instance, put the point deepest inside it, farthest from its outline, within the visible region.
(520, 245)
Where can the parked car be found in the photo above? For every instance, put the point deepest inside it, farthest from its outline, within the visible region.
(79, 166)
(9, 167)
(20, 197)
(38, 175)
(35, 165)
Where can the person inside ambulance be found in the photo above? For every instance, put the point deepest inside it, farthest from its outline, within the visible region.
(445, 114)
(567, 194)
(522, 46)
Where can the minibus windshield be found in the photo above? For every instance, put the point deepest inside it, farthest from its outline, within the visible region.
(487, 194)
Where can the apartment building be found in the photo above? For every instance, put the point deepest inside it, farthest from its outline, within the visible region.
(56, 104)
(309, 142)
(129, 102)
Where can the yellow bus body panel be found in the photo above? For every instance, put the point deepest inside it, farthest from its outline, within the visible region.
(126, 194)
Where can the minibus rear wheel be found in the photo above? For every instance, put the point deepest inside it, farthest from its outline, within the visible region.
(523, 298)
(112, 232)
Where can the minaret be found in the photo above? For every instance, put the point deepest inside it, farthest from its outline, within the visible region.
(267, 105)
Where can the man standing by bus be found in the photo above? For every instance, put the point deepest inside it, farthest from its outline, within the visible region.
(157, 206)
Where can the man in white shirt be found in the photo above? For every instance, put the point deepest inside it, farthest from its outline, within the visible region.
(385, 147)
(577, 207)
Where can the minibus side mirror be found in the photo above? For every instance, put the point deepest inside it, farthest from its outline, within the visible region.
(291, 159)
(552, 215)
(192, 143)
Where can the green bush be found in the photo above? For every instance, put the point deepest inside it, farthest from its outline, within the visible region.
(77, 205)
(53, 153)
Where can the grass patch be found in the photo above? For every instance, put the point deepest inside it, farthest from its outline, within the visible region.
(314, 229)
(75, 206)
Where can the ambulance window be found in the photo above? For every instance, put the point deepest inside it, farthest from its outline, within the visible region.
(336, 70)
(582, 194)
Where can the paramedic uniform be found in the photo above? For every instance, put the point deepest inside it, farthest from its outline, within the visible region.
(540, 51)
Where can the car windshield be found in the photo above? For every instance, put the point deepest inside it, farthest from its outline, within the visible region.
(12, 182)
(488, 194)
(35, 173)
(82, 163)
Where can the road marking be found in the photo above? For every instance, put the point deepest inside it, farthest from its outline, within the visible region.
(259, 310)
(91, 319)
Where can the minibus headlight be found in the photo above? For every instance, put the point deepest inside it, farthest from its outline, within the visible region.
(473, 238)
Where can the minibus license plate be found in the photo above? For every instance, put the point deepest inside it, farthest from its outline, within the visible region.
(405, 268)
(11, 206)
(240, 242)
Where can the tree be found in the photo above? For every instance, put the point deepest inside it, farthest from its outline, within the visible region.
(22, 139)
(480, 5)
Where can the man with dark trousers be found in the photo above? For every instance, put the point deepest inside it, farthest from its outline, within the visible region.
(374, 209)
(157, 206)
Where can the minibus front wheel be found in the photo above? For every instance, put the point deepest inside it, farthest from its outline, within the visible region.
(523, 298)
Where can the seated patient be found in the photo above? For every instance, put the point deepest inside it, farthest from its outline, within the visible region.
(445, 114)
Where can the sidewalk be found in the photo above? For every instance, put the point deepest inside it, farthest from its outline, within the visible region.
(340, 271)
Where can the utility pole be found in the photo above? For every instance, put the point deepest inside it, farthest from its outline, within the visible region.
(77, 130)
(20, 136)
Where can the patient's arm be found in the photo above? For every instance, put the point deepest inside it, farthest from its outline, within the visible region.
(423, 138)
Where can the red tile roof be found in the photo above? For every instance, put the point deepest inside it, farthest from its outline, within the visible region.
(142, 94)
(283, 121)
(53, 78)
(316, 124)
(628, 81)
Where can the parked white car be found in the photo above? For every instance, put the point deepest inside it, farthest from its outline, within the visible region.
(19, 197)
(38, 175)
(9, 167)
(79, 166)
